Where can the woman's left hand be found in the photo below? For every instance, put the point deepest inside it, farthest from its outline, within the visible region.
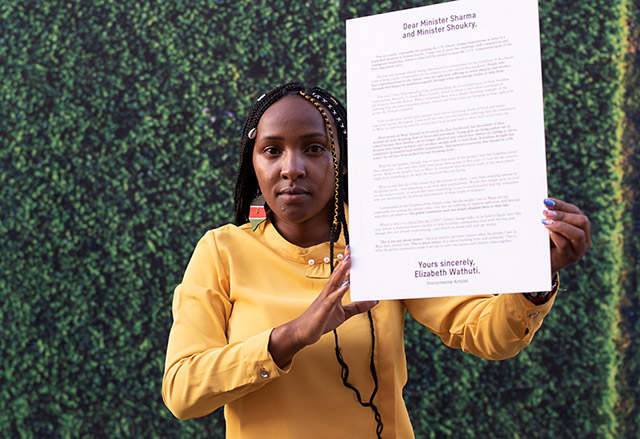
(569, 230)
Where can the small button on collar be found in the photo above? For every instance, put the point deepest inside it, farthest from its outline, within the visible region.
(533, 315)
(327, 260)
(311, 262)
(340, 256)
(264, 373)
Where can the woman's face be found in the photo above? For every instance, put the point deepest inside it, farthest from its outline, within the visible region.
(293, 165)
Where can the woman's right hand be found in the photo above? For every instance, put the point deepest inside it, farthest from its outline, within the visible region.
(325, 314)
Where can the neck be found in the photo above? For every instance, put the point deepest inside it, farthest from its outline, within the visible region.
(305, 234)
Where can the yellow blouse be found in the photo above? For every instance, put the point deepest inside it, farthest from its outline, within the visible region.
(240, 284)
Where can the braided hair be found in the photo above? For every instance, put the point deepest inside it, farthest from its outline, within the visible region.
(247, 189)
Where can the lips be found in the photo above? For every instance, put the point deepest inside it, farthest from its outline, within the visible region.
(293, 193)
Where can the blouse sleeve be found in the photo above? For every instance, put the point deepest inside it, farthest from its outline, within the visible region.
(491, 327)
(203, 371)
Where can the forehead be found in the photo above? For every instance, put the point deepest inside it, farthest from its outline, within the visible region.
(292, 112)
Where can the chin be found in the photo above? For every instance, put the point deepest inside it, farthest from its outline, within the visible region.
(293, 213)
(297, 213)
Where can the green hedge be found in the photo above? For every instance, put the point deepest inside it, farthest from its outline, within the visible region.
(118, 146)
(628, 406)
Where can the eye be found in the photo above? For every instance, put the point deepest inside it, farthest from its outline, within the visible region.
(270, 150)
(315, 148)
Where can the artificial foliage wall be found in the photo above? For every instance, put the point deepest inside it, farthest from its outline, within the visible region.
(119, 127)
(629, 376)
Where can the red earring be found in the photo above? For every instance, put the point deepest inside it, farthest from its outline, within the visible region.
(257, 212)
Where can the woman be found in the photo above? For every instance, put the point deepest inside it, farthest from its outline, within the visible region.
(253, 313)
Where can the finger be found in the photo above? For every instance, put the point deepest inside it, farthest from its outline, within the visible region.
(560, 243)
(347, 275)
(560, 205)
(338, 275)
(347, 261)
(343, 264)
(354, 308)
(564, 251)
(578, 221)
(336, 295)
(561, 252)
(576, 236)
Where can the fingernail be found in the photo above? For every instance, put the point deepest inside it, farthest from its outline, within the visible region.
(549, 202)
(347, 248)
(549, 212)
(346, 259)
(345, 283)
(547, 222)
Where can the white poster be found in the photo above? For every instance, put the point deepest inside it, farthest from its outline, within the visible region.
(447, 172)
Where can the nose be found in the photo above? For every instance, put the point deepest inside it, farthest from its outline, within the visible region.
(293, 166)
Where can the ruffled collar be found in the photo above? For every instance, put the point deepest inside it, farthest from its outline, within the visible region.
(315, 257)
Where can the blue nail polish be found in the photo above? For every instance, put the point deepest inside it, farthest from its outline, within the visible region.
(345, 283)
(346, 259)
(549, 202)
(547, 222)
(549, 212)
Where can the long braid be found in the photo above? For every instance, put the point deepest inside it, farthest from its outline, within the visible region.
(338, 215)
(336, 172)
(247, 188)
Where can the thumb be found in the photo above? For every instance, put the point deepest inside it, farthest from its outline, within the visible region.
(354, 308)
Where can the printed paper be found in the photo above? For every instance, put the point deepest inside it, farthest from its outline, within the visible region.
(447, 169)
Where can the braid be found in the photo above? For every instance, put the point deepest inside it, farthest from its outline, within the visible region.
(339, 219)
(246, 182)
(247, 188)
(335, 225)
(374, 375)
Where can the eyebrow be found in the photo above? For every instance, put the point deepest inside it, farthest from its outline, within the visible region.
(304, 136)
